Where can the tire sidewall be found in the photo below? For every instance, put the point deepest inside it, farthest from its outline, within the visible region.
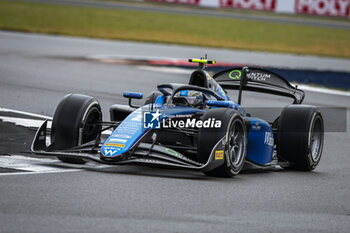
(313, 163)
(229, 164)
(93, 105)
(209, 137)
(295, 128)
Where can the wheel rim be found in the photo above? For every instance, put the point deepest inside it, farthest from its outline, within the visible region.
(316, 140)
(90, 130)
(236, 143)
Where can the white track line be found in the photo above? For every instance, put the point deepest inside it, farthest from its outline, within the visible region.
(172, 70)
(30, 165)
(32, 173)
(25, 113)
(30, 122)
(24, 121)
(322, 90)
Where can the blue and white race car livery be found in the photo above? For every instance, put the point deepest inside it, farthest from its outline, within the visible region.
(193, 126)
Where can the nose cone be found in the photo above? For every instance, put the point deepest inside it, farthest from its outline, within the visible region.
(111, 150)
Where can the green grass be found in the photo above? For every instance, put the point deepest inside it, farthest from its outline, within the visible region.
(171, 28)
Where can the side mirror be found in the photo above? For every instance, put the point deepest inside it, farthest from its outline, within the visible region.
(132, 95)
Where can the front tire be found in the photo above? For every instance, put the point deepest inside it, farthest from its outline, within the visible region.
(300, 137)
(72, 124)
(234, 130)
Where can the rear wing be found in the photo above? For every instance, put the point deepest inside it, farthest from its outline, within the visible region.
(258, 80)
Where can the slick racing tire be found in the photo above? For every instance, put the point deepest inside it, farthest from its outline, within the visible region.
(234, 132)
(300, 137)
(72, 124)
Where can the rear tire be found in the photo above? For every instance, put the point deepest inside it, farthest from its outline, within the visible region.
(234, 130)
(71, 125)
(300, 136)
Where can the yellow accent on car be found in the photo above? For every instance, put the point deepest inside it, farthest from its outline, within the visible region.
(219, 155)
(115, 145)
(202, 61)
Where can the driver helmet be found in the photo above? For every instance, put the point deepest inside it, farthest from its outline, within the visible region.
(193, 98)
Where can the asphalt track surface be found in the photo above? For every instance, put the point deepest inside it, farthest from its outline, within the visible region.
(36, 71)
(200, 12)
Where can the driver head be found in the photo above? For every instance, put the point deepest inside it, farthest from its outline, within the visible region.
(189, 98)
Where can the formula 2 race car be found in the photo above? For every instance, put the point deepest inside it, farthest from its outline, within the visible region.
(189, 126)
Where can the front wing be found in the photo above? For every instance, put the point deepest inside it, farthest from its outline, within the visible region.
(141, 153)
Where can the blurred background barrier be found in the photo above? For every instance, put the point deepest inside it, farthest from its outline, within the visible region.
(339, 8)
